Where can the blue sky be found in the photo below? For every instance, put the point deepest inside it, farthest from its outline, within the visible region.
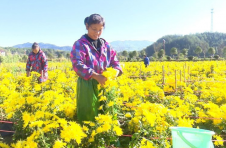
(61, 22)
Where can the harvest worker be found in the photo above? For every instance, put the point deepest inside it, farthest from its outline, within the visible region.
(90, 56)
(146, 61)
(38, 61)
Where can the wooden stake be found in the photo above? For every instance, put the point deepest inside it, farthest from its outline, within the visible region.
(180, 76)
(140, 71)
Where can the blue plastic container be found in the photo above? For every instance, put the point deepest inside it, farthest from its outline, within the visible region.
(184, 137)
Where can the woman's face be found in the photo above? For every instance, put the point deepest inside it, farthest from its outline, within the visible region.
(36, 50)
(94, 30)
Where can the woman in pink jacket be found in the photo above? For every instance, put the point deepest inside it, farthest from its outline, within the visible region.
(90, 56)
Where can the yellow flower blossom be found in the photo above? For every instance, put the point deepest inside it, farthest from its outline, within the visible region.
(111, 103)
(3, 145)
(59, 144)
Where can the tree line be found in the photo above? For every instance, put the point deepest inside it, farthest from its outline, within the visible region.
(21, 54)
(200, 45)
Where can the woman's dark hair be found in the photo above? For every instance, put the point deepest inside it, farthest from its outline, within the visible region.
(34, 45)
(94, 19)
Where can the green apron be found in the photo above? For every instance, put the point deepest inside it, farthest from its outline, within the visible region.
(87, 100)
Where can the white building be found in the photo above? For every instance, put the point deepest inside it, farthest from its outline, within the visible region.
(2, 53)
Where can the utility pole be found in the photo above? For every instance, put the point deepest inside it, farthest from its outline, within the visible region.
(211, 20)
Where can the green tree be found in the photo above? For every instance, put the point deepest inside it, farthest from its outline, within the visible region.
(68, 55)
(198, 50)
(24, 58)
(211, 51)
(125, 53)
(204, 45)
(60, 55)
(180, 56)
(142, 53)
(51, 56)
(161, 53)
(224, 52)
(130, 55)
(135, 53)
(1, 60)
(173, 51)
(184, 51)
(155, 55)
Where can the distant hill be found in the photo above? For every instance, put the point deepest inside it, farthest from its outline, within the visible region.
(44, 45)
(117, 45)
(129, 45)
(190, 42)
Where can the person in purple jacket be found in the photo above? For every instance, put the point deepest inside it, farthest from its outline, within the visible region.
(90, 56)
(37, 61)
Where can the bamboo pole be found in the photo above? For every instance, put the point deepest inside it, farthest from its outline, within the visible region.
(185, 75)
(42, 80)
(180, 84)
(1, 114)
(180, 76)
(175, 80)
(189, 77)
(163, 76)
(42, 74)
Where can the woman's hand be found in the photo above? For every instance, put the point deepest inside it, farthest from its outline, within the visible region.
(100, 78)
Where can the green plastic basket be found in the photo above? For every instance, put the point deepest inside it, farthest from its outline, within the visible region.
(184, 137)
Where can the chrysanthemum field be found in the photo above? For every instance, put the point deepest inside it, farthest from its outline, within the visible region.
(137, 108)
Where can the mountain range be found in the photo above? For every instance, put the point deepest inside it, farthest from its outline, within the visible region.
(44, 46)
(130, 45)
(117, 45)
(191, 42)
